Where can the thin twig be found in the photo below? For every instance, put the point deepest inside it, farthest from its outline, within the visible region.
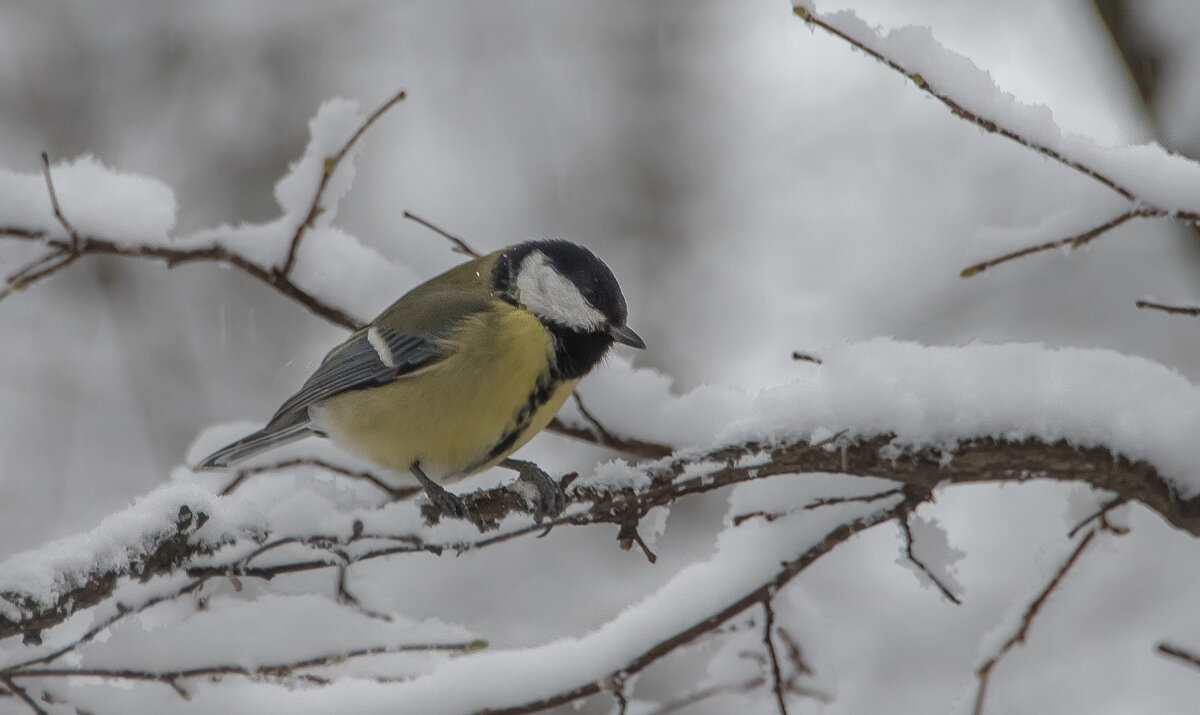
(629, 445)
(20, 693)
(58, 214)
(1075, 241)
(120, 614)
(772, 656)
(788, 571)
(282, 670)
(984, 672)
(606, 437)
(706, 693)
(94, 245)
(815, 504)
(16, 277)
(36, 270)
(244, 474)
(1100, 513)
(1179, 654)
(1175, 309)
(330, 165)
(906, 529)
(460, 246)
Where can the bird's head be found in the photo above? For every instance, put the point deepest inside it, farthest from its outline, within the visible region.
(568, 288)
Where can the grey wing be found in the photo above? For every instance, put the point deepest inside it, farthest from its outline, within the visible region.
(371, 357)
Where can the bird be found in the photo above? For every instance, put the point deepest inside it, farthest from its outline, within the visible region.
(460, 371)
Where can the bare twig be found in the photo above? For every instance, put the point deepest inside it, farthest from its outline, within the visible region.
(346, 598)
(62, 255)
(815, 504)
(1179, 654)
(1175, 309)
(278, 670)
(629, 445)
(605, 436)
(777, 685)
(906, 529)
(244, 474)
(706, 693)
(40, 268)
(460, 246)
(120, 614)
(329, 166)
(94, 245)
(58, 214)
(24, 696)
(1075, 241)
(984, 672)
(1101, 514)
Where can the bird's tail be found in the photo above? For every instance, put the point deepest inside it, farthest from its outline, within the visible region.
(260, 441)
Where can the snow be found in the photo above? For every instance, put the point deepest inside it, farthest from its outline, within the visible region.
(334, 124)
(331, 264)
(931, 545)
(759, 189)
(95, 199)
(931, 396)
(44, 574)
(1154, 175)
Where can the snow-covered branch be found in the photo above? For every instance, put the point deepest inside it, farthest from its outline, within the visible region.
(86, 577)
(1149, 180)
(297, 564)
(242, 247)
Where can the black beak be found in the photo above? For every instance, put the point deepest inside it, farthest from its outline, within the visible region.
(625, 336)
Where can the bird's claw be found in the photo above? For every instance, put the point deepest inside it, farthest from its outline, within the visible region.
(543, 496)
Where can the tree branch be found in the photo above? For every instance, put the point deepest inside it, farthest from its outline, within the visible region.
(788, 571)
(278, 670)
(1177, 310)
(984, 672)
(906, 529)
(458, 245)
(329, 166)
(923, 471)
(94, 245)
(777, 686)
(1140, 207)
(1076, 241)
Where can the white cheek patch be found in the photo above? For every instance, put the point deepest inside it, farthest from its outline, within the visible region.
(552, 297)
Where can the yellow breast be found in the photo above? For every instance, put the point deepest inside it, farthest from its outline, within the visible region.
(462, 414)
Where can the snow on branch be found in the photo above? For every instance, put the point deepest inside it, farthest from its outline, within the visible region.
(270, 253)
(153, 561)
(865, 436)
(1151, 182)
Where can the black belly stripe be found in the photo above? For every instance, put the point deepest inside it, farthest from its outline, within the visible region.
(546, 385)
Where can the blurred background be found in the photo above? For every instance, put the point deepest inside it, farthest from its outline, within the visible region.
(757, 187)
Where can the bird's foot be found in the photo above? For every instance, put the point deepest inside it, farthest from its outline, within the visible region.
(449, 504)
(543, 496)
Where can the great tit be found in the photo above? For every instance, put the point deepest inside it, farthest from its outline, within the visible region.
(460, 371)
